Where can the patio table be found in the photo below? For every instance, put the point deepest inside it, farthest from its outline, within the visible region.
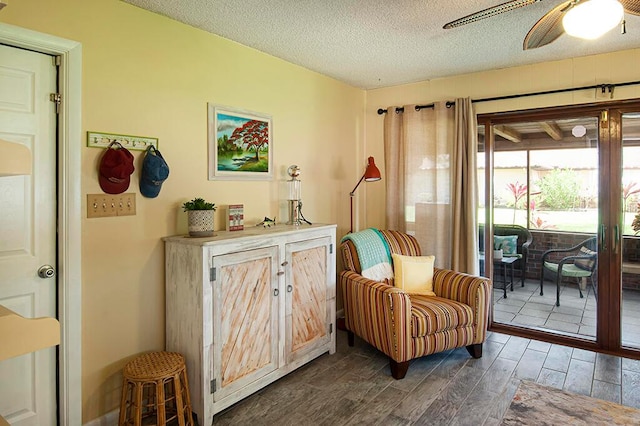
(502, 264)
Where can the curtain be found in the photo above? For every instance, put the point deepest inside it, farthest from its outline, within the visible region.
(422, 186)
(464, 191)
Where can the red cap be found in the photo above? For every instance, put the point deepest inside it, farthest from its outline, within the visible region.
(116, 167)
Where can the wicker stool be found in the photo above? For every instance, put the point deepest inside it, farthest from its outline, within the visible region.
(155, 387)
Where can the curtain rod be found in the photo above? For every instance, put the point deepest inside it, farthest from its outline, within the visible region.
(603, 87)
(417, 107)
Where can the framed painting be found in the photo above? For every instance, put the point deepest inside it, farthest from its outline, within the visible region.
(240, 144)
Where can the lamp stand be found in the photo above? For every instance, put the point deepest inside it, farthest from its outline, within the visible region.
(371, 174)
(351, 195)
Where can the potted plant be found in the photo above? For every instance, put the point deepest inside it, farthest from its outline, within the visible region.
(200, 217)
(497, 251)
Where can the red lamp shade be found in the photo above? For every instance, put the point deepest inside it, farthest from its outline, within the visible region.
(372, 174)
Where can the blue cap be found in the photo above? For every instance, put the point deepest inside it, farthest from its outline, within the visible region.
(154, 172)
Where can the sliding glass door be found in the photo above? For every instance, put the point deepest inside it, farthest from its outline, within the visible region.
(630, 229)
(562, 191)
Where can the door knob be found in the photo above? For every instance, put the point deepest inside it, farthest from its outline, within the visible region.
(46, 271)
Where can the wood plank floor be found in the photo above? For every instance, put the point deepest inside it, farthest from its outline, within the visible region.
(354, 386)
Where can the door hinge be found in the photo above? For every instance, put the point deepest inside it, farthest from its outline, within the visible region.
(212, 274)
(213, 385)
(331, 248)
(331, 328)
(57, 61)
(56, 98)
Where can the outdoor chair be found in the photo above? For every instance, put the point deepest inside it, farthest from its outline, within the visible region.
(580, 262)
(523, 241)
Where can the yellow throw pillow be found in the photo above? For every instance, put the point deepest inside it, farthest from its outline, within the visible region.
(414, 274)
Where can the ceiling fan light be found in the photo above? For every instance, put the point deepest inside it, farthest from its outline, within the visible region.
(592, 18)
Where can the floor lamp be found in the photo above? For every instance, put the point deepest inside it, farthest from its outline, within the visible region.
(371, 174)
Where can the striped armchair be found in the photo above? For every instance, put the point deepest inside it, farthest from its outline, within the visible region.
(406, 326)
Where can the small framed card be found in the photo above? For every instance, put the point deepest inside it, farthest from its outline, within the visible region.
(235, 221)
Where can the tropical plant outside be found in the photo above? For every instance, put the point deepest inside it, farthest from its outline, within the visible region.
(559, 189)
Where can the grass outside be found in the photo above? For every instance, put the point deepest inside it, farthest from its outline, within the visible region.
(571, 221)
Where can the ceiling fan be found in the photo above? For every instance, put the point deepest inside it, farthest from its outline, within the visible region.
(551, 25)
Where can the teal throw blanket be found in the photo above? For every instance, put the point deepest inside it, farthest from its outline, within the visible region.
(373, 253)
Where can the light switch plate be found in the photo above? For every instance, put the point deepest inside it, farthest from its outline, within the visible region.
(108, 205)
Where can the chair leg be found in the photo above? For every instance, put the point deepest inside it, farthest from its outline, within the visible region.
(579, 289)
(558, 279)
(541, 280)
(398, 369)
(350, 338)
(475, 350)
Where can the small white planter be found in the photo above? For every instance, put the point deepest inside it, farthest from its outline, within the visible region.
(200, 223)
(497, 254)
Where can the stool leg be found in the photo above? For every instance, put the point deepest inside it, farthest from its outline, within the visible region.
(187, 397)
(123, 402)
(177, 389)
(137, 408)
(161, 414)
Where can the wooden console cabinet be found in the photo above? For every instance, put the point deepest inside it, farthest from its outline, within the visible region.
(247, 307)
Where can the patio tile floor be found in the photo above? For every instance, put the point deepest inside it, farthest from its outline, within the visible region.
(525, 306)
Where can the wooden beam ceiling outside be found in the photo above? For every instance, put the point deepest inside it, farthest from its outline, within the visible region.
(508, 133)
(552, 129)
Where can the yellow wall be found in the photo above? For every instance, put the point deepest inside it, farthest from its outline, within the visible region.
(144, 74)
(608, 68)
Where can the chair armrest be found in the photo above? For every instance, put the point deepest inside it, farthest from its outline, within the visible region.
(561, 250)
(378, 313)
(468, 289)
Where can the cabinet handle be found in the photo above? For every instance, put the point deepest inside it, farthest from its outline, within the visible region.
(289, 288)
(285, 263)
(280, 272)
(276, 292)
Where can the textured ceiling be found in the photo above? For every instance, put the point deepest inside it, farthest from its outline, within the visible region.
(375, 43)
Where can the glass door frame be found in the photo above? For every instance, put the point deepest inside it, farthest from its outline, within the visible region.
(609, 114)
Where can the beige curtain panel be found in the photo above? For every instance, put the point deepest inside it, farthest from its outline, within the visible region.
(430, 173)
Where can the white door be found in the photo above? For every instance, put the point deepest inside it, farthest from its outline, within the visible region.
(28, 230)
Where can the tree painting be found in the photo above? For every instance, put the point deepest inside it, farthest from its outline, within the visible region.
(243, 143)
(254, 134)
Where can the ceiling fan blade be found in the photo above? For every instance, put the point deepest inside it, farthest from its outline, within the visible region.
(631, 6)
(489, 12)
(548, 28)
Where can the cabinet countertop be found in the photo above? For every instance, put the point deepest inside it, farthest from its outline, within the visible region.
(247, 232)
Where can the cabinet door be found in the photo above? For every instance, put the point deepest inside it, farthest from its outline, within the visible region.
(308, 313)
(245, 318)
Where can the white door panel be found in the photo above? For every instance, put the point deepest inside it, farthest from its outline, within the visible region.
(28, 230)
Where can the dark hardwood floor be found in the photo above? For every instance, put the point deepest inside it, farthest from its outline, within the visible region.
(355, 387)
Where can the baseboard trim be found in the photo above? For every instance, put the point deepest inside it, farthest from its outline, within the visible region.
(109, 419)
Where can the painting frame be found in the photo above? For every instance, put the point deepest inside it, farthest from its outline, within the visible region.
(240, 144)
